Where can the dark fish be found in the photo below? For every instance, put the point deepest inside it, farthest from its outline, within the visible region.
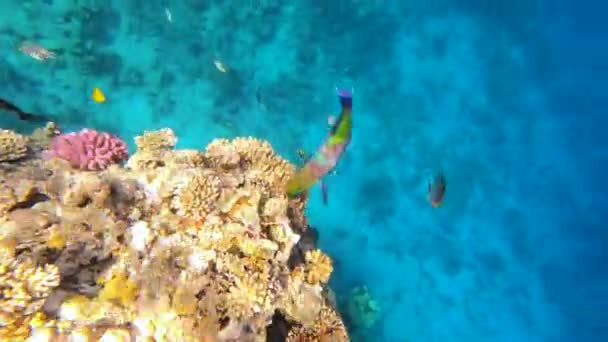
(23, 116)
(437, 190)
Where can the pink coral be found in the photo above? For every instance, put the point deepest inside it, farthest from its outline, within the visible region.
(88, 149)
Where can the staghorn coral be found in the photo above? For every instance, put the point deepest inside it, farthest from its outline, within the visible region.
(13, 146)
(190, 247)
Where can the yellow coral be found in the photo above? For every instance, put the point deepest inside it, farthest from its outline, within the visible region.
(13, 146)
(120, 289)
(249, 295)
(275, 207)
(319, 267)
(24, 288)
(255, 155)
(223, 154)
(186, 158)
(7, 198)
(156, 141)
(196, 195)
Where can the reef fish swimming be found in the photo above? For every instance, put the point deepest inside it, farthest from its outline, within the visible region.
(327, 156)
(23, 116)
(436, 190)
(36, 51)
(304, 157)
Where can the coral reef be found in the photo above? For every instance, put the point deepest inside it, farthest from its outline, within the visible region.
(13, 146)
(88, 149)
(177, 245)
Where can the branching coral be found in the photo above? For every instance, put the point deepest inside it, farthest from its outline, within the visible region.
(179, 245)
(196, 195)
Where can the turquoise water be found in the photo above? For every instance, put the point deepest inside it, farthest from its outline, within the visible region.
(508, 98)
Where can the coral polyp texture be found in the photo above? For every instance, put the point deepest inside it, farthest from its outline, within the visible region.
(176, 245)
(88, 149)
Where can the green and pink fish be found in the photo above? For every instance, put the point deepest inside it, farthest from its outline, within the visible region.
(326, 158)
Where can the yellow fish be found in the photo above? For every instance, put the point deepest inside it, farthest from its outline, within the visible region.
(98, 96)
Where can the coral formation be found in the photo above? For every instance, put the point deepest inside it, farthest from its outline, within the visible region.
(13, 146)
(362, 310)
(177, 245)
(88, 149)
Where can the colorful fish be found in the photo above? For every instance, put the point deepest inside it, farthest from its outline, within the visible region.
(436, 190)
(326, 158)
(36, 51)
(98, 95)
(304, 157)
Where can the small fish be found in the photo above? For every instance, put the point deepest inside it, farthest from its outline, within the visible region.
(98, 96)
(436, 190)
(168, 15)
(36, 51)
(23, 116)
(259, 97)
(220, 66)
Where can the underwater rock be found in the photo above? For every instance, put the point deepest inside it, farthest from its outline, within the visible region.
(189, 246)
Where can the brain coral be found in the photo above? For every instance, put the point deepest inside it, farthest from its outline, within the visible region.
(196, 246)
(88, 149)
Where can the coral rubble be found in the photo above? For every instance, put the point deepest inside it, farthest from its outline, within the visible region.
(177, 245)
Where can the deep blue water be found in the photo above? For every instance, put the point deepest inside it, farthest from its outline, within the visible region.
(508, 98)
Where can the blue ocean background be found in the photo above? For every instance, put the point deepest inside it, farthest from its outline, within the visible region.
(508, 98)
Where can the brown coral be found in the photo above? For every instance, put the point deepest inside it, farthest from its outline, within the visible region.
(155, 141)
(13, 146)
(41, 138)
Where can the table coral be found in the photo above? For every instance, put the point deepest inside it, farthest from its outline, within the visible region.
(177, 245)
